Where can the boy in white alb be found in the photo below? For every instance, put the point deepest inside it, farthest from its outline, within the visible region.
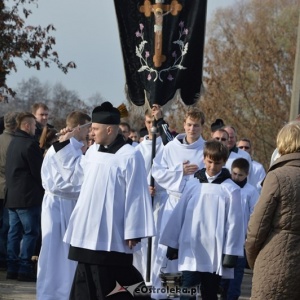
(231, 289)
(258, 173)
(158, 194)
(55, 271)
(179, 161)
(204, 230)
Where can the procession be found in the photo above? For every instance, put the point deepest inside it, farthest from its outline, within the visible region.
(149, 199)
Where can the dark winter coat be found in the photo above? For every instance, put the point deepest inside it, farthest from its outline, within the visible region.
(273, 239)
(23, 172)
(5, 139)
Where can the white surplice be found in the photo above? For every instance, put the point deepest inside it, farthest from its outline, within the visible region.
(244, 154)
(240, 154)
(232, 156)
(250, 197)
(55, 270)
(206, 223)
(257, 175)
(114, 204)
(159, 200)
(167, 171)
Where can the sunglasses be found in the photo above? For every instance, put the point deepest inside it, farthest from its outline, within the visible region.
(244, 147)
(221, 139)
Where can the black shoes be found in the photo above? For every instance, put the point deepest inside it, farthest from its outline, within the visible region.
(27, 277)
(12, 275)
(3, 265)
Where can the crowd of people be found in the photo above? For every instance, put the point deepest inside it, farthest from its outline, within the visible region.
(107, 210)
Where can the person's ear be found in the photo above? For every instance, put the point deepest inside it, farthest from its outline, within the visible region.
(108, 129)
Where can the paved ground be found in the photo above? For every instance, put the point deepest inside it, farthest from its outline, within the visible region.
(16, 290)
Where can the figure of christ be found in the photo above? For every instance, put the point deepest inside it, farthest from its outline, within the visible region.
(159, 10)
(158, 57)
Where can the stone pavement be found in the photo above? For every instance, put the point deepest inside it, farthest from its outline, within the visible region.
(16, 290)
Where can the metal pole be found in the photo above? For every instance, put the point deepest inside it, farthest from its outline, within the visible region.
(149, 250)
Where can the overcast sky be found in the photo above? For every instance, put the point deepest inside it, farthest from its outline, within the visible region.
(86, 32)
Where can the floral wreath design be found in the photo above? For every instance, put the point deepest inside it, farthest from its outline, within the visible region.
(177, 63)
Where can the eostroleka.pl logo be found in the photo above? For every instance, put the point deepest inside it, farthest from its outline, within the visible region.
(121, 289)
(140, 289)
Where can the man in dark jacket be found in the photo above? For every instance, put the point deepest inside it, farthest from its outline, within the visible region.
(24, 194)
(41, 113)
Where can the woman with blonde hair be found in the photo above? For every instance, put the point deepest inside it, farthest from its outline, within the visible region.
(273, 239)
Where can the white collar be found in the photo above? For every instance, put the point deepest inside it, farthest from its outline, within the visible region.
(210, 179)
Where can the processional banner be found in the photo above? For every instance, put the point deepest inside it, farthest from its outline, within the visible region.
(162, 45)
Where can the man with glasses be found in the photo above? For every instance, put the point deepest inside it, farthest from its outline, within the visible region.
(222, 136)
(257, 173)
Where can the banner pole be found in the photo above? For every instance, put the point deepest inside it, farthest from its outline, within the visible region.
(152, 184)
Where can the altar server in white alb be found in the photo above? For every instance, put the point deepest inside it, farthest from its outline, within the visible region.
(231, 288)
(158, 193)
(55, 270)
(205, 230)
(258, 173)
(113, 211)
(180, 159)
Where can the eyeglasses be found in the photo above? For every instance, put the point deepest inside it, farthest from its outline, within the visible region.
(222, 139)
(244, 147)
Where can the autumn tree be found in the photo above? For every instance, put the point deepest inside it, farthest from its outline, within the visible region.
(58, 98)
(32, 44)
(249, 61)
(64, 101)
(32, 90)
(96, 99)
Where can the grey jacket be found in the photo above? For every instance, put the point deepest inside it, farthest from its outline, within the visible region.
(5, 139)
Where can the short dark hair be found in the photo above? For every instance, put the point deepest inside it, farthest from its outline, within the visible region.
(24, 116)
(221, 130)
(242, 164)
(125, 124)
(215, 150)
(36, 106)
(76, 118)
(245, 140)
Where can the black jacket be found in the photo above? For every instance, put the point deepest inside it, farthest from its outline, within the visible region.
(23, 172)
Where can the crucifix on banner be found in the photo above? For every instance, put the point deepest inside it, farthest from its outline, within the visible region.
(159, 9)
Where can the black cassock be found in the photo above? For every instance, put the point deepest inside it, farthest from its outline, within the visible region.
(106, 275)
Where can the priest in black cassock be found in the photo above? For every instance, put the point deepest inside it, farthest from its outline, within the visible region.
(113, 211)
